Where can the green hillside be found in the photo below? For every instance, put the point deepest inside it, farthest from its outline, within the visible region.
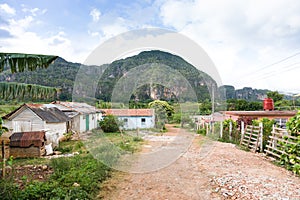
(62, 74)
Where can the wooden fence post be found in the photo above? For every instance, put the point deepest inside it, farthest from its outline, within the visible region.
(3, 159)
(230, 131)
(242, 129)
(221, 129)
(273, 134)
(207, 132)
(261, 126)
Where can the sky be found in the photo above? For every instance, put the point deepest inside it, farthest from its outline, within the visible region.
(253, 43)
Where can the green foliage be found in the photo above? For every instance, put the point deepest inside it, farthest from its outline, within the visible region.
(62, 74)
(162, 104)
(20, 62)
(137, 139)
(241, 104)
(11, 90)
(102, 104)
(292, 151)
(110, 124)
(1, 129)
(293, 125)
(275, 96)
(205, 107)
(234, 136)
(201, 131)
(267, 128)
(82, 169)
(163, 113)
(182, 119)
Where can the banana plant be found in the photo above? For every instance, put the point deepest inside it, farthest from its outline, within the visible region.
(11, 90)
(19, 62)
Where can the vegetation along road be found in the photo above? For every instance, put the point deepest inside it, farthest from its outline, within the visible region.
(207, 170)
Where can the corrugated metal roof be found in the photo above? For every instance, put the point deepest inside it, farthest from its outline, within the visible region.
(82, 108)
(46, 113)
(129, 112)
(26, 139)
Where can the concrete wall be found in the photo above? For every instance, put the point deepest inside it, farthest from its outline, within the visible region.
(136, 122)
(54, 132)
(79, 122)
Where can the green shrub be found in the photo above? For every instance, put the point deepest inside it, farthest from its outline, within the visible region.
(293, 150)
(201, 131)
(110, 124)
(267, 128)
(83, 170)
(293, 125)
(235, 136)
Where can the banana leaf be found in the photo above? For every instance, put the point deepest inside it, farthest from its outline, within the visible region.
(12, 90)
(19, 62)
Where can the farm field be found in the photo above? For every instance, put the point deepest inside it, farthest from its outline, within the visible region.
(207, 170)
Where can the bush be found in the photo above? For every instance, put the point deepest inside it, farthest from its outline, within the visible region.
(235, 134)
(293, 125)
(110, 124)
(201, 131)
(267, 128)
(84, 170)
(293, 150)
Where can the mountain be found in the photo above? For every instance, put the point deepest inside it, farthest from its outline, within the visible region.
(63, 74)
(246, 93)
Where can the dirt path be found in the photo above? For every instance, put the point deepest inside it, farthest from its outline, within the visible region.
(208, 170)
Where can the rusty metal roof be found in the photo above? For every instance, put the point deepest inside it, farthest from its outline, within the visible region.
(129, 112)
(26, 139)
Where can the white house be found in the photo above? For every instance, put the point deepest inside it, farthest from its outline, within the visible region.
(133, 118)
(84, 117)
(38, 117)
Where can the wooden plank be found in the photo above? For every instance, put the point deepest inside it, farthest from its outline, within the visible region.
(272, 153)
(282, 140)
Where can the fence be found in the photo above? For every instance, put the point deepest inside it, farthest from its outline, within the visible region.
(276, 140)
(252, 137)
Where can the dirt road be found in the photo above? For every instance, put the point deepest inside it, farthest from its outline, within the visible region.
(207, 170)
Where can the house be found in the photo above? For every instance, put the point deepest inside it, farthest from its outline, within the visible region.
(281, 117)
(83, 117)
(134, 118)
(27, 144)
(38, 117)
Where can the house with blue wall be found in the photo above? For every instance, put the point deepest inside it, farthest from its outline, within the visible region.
(133, 118)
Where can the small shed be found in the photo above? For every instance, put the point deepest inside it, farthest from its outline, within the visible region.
(38, 117)
(134, 118)
(27, 144)
(84, 117)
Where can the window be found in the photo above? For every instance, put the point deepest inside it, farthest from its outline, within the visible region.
(143, 121)
(125, 120)
(281, 122)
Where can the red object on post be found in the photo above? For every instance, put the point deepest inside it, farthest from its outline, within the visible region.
(268, 104)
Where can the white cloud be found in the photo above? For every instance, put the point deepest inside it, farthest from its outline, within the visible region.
(24, 40)
(240, 36)
(7, 9)
(33, 11)
(95, 13)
